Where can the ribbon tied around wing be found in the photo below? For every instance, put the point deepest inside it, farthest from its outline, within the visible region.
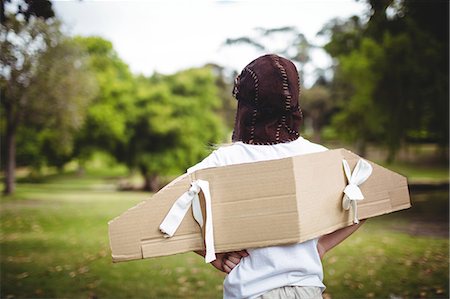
(352, 193)
(179, 209)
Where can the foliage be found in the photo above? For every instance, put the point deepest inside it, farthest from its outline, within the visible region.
(59, 112)
(295, 45)
(173, 123)
(392, 74)
(105, 125)
(360, 118)
(224, 83)
(345, 35)
(160, 125)
(27, 8)
(316, 106)
(54, 244)
(45, 88)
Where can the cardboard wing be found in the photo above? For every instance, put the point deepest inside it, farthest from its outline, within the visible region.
(260, 204)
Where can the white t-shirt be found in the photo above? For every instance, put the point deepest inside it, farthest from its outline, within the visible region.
(276, 266)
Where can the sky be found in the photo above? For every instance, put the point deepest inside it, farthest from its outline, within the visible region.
(172, 35)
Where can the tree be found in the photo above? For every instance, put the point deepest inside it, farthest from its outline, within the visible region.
(58, 113)
(106, 120)
(224, 83)
(316, 104)
(403, 50)
(360, 119)
(43, 84)
(174, 123)
(413, 90)
(295, 45)
(27, 8)
(159, 125)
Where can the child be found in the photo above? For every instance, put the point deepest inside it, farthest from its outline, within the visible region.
(267, 127)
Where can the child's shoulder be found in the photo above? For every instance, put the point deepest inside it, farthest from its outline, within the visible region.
(311, 146)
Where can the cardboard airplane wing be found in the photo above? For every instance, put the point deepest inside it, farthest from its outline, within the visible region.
(259, 204)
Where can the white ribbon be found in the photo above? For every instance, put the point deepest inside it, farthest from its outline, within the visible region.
(179, 209)
(352, 193)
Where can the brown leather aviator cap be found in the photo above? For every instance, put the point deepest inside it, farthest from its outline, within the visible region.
(268, 110)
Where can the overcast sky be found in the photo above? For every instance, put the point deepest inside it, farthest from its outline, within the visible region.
(167, 36)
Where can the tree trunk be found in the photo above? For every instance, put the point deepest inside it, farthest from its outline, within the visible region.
(10, 167)
(361, 147)
(317, 138)
(151, 182)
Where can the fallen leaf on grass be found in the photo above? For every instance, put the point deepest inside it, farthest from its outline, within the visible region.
(190, 260)
(22, 275)
(166, 272)
(439, 291)
(18, 259)
(332, 260)
(103, 253)
(36, 228)
(326, 296)
(89, 257)
(83, 270)
(195, 270)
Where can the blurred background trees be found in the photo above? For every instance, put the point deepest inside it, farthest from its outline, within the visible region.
(65, 99)
(45, 90)
(173, 124)
(391, 74)
(285, 41)
(105, 125)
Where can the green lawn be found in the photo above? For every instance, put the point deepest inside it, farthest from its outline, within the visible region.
(54, 244)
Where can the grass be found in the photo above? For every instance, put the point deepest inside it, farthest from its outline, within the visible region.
(423, 173)
(54, 244)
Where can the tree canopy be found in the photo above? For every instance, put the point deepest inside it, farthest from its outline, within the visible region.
(45, 89)
(391, 77)
(105, 124)
(174, 123)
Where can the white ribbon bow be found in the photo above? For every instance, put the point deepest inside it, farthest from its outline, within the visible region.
(352, 193)
(179, 209)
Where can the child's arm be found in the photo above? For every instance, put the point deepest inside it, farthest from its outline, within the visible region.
(329, 241)
(226, 261)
